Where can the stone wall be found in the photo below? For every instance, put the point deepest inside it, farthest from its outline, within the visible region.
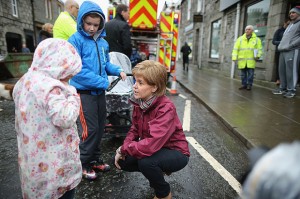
(40, 14)
(265, 70)
(24, 24)
(10, 23)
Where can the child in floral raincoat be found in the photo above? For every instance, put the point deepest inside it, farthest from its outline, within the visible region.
(46, 109)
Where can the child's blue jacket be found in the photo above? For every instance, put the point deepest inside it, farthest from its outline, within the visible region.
(94, 54)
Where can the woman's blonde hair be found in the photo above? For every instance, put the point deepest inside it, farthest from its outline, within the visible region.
(46, 26)
(154, 73)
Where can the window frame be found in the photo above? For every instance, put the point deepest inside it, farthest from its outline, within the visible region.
(48, 9)
(199, 5)
(14, 6)
(258, 26)
(213, 41)
(189, 10)
(59, 8)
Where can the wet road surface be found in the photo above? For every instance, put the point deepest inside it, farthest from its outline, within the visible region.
(196, 181)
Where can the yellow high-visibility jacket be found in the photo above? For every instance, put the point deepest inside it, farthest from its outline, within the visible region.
(64, 26)
(244, 51)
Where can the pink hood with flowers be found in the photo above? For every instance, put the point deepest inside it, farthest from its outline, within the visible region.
(46, 110)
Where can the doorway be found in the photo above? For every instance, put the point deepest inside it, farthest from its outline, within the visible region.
(13, 41)
(29, 40)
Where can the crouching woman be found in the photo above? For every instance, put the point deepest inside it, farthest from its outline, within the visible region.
(155, 144)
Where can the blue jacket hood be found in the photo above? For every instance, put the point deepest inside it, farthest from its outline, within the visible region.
(88, 7)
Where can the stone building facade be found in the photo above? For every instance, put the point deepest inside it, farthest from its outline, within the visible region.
(212, 26)
(46, 11)
(21, 21)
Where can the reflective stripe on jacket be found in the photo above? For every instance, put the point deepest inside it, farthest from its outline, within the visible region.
(243, 51)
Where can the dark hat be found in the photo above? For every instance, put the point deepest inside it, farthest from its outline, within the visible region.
(296, 10)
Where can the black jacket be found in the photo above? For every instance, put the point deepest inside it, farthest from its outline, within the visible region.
(44, 35)
(277, 37)
(118, 35)
(186, 50)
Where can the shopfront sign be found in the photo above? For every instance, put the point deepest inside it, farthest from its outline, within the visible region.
(227, 3)
(197, 18)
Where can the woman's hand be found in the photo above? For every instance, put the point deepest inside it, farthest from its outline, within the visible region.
(123, 75)
(118, 157)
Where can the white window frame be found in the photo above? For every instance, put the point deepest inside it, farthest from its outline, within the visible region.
(214, 52)
(48, 9)
(189, 9)
(199, 5)
(59, 9)
(14, 7)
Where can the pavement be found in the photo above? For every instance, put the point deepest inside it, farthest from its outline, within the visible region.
(256, 117)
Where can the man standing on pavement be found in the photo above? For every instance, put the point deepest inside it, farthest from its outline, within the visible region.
(276, 41)
(118, 33)
(65, 24)
(185, 50)
(289, 56)
(246, 51)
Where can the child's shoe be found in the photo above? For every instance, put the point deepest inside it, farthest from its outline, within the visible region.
(100, 166)
(88, 173)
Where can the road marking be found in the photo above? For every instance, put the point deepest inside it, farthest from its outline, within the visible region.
(182, 96)
(187, 116)
(209, 158)
(216, 165)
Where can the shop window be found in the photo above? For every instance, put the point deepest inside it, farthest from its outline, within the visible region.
(257, 16)
(14, 8)
(215, 39)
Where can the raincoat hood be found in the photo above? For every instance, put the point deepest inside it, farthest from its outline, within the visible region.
(88, 7)
(56, 58)
(46, 111)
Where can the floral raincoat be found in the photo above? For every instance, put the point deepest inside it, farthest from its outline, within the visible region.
(46, 110)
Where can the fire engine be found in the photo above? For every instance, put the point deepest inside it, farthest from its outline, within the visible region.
(156, 39)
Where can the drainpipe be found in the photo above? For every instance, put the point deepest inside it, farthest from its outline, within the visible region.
(201, 35)
(33, 23)
(236, 32)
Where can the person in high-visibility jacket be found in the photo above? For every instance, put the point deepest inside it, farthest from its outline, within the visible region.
(246, 51)
(65, 24)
